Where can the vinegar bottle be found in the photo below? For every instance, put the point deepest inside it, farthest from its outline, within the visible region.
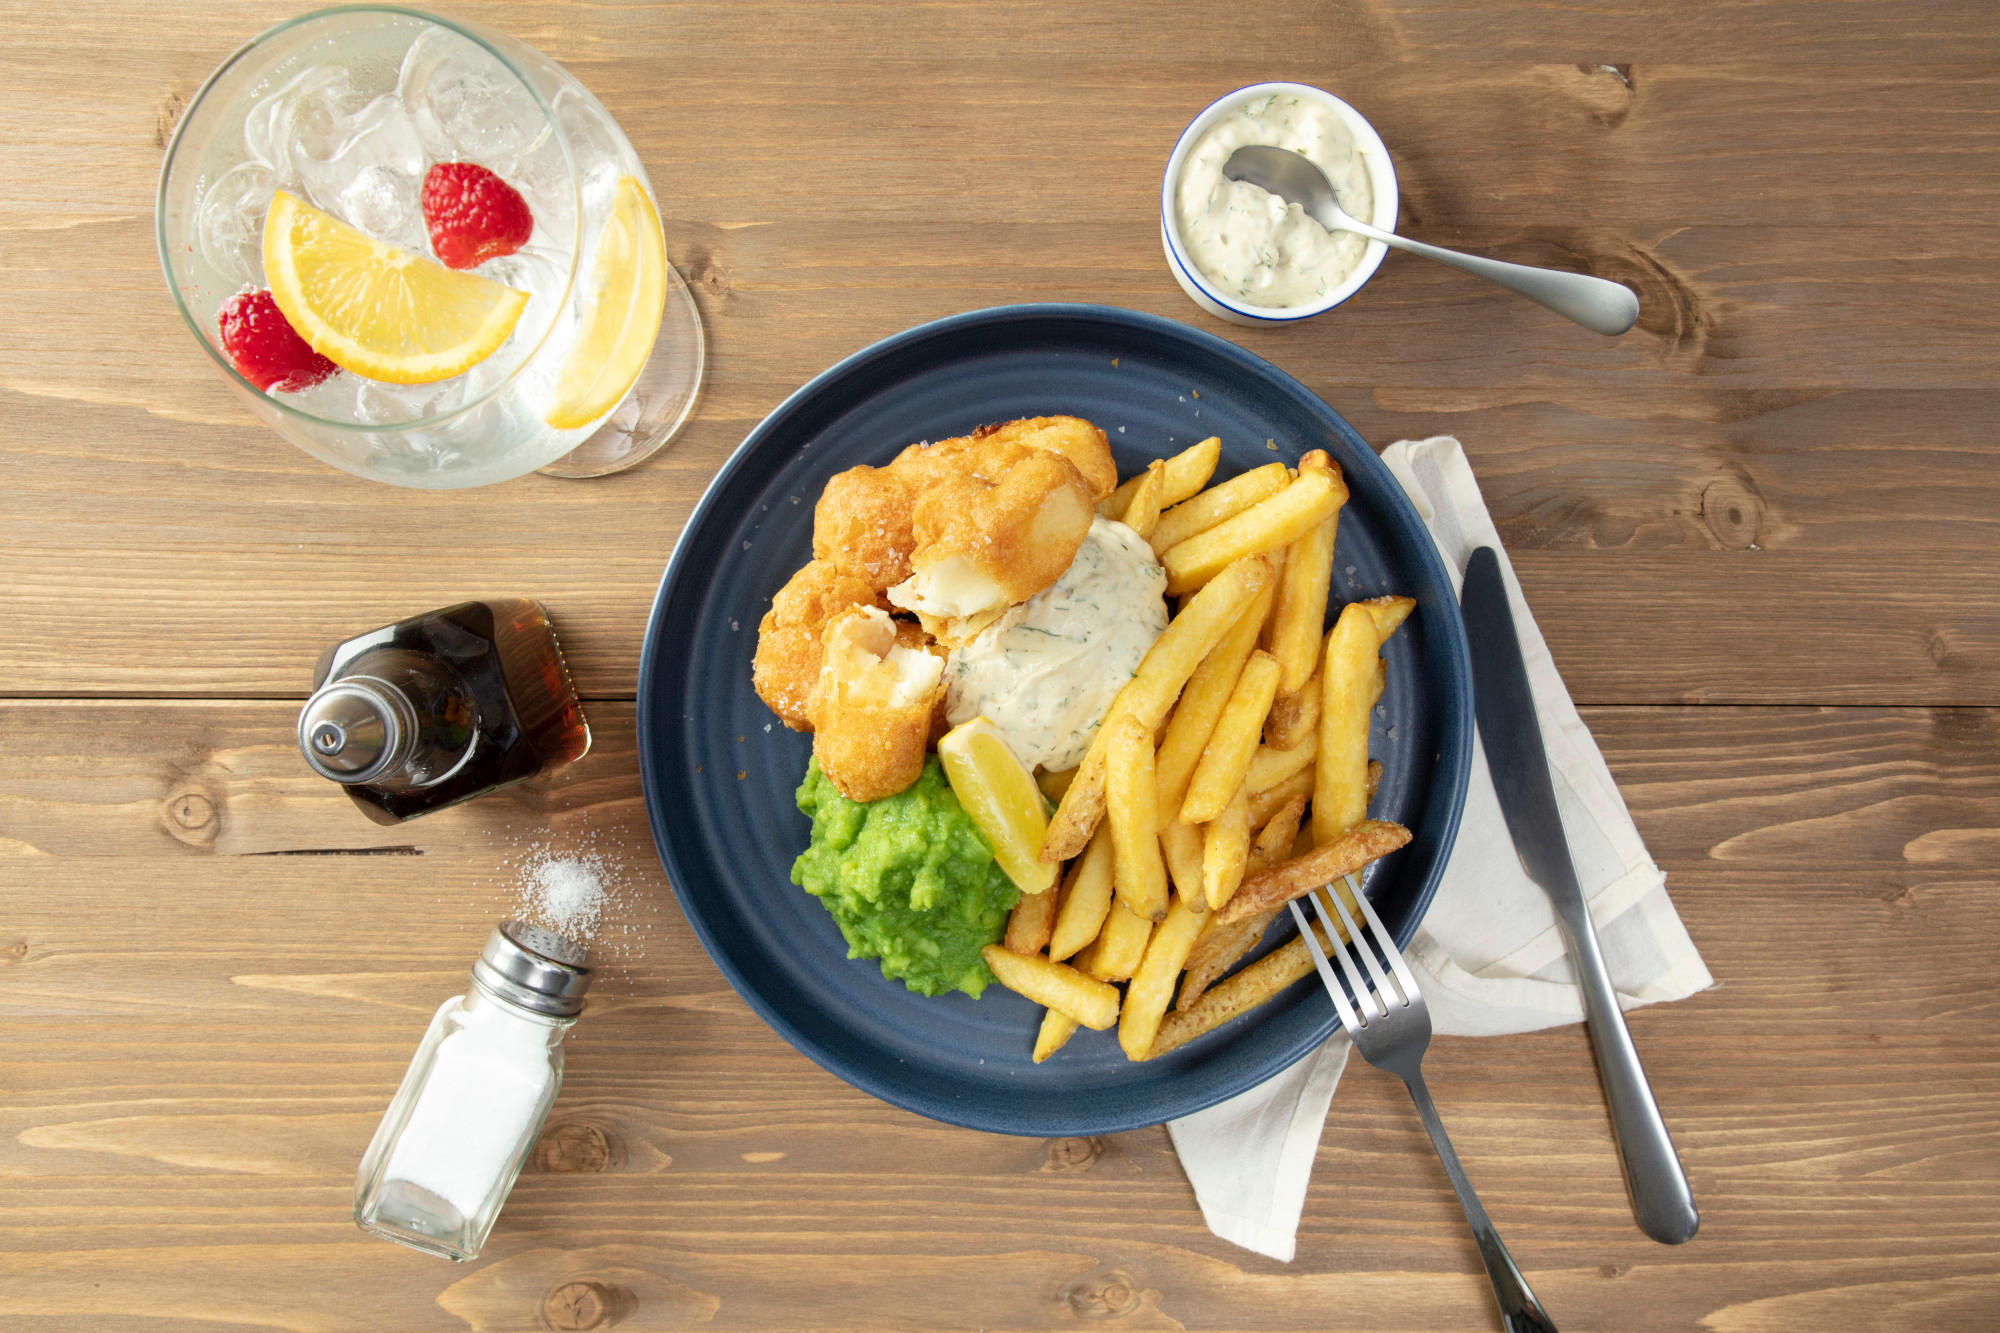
(442, 707)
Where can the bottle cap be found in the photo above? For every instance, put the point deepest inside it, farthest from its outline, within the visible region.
(534, 968)
(356, 729)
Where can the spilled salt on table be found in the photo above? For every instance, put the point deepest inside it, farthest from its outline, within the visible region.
(566, 893)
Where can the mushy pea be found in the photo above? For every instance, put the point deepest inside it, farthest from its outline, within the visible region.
(908, 879)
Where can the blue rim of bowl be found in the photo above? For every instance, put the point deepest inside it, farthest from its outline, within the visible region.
(1454, 759)
(1371, 262)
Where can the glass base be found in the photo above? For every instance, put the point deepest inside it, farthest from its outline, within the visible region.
(411, 1215)
(660, 402)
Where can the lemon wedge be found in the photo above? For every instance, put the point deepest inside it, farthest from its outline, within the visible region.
(622, 315)
(997, 790)
(376, 310)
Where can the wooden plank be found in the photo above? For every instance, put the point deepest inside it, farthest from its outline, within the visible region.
(216, 1051)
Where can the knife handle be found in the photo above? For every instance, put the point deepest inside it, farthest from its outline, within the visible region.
(1662, 1203)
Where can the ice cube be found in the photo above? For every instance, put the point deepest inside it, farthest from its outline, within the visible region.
(261, 127)
(536, 270)
(381, 404)
(595, 146)
(385, 203)
(593, 143)
(332, 399)
(378, 137)
(467, 105)
(314, 118)
(229, 225)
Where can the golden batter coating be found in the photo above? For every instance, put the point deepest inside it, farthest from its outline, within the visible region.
(790, 637)
(1086, 446)
(982, 546)
(861, 525)
(943, 462)
(873, 707)
(990, 451)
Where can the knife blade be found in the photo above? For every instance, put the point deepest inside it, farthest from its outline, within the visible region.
(1511, 732)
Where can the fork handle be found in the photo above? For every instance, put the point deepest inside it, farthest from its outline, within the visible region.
(1519, 1309)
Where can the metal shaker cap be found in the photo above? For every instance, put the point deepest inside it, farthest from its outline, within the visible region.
(534, 968)
(356, 729)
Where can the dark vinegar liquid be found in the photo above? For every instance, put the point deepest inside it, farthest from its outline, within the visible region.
(489, 684)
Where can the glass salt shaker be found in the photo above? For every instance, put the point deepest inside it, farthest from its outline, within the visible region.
(459, 1128)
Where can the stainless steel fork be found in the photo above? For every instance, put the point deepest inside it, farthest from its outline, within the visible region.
(1391, 1027)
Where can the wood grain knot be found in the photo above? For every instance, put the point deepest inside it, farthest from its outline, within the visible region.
(1670, 307)
(573, 1147)
(17, 952)
(1613, 1270)
(705, 274)
(167, 116)
(583, 1305)
(1106, 1293)
(1073, 1154)
(1733, 512)
(1608, 92)
(193, 817)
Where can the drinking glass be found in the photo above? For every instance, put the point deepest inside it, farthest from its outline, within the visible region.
(347, 109)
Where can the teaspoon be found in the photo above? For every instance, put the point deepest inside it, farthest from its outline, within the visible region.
(1597, 304)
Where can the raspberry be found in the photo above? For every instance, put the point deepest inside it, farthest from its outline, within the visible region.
(473, 215)
(265, 348)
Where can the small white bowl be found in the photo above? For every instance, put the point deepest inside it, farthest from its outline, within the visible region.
(1381, 180)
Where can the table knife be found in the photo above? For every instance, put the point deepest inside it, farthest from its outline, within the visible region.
(1511, 732)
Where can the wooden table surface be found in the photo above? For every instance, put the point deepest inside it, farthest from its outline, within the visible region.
(1759, 533)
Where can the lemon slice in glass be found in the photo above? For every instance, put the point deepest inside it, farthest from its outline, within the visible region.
(376, 310)
(997, 790)
(622, 312)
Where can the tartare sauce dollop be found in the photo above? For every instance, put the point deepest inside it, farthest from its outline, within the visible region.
(1250, 244)
(1046, 671)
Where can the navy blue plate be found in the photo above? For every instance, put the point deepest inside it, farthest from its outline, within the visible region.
(720, 771)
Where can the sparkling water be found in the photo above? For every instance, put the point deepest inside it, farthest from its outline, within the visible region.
(351, 125)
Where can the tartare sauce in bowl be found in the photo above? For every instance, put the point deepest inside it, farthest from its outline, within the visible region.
(1249, 242)
(1045, 672)
(1246, 255)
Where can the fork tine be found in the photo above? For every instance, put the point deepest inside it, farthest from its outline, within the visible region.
(1370, 1004)
(1348, 1018)
(1402, 969)
(1367, 949)
(1332, 926)
(1319, 907)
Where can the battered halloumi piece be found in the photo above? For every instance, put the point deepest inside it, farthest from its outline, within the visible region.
(1086, 446)
(982, 547)
(872, 708)
(990, 451)
(861, 525)
(789, 639)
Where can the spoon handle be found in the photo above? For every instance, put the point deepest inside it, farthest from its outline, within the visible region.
(1599, 305)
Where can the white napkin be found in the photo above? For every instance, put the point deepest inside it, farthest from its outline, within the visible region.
(1488, 956)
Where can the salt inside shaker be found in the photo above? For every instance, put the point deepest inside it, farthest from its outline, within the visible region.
(458, 1129)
